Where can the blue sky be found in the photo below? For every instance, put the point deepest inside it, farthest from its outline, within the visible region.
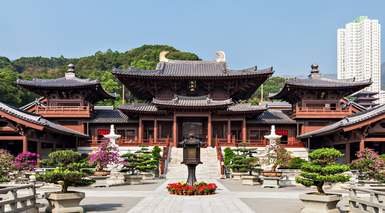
(288, 35)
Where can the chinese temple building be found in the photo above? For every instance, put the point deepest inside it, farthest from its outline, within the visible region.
(366, 98)
(204, 98)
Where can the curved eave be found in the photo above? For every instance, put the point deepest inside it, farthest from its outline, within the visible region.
(285, 91)
(101, 94)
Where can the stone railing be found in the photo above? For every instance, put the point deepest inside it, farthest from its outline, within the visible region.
(366, 200)
(20, 198)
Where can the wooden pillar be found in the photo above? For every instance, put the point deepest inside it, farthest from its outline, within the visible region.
(244, 130)
(174, 132)
(229, 131)
(362, 143)
(155, 130)
(25, 144)
(140, 133)
(38, 147)
(347, 153)
(209, 130)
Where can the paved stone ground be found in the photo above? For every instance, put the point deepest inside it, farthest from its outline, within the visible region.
(232, 197)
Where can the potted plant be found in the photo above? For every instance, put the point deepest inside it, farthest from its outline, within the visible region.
(322, 168)
(157, 157)
(252, 165)
(290, 170)
(6, 165)
(227, 159)
(64, 200)
(239, 166)
(278, 157)
(369, 166)
(104, 156)
(146, 165)
(130, 165)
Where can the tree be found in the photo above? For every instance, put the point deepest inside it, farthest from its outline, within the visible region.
(272, 85)
(322, 168)
(369, 164)
(104, 156)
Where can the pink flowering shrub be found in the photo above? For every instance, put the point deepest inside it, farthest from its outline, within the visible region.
(369, 164)
(26, 161)
(105, 155)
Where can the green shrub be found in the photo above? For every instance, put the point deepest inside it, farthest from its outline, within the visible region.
(295, 163)
(64, 177)
(228, 156)
(322, 168)
(6, 164)
(63, 158)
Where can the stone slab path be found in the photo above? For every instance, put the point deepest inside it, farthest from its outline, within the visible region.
(161, 202)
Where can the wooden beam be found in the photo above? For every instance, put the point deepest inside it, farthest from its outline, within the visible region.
(11, 138)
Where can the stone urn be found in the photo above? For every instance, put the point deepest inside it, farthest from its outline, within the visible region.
(60, 202)
(316, 203)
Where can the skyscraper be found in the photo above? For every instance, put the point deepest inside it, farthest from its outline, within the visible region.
(359, 52)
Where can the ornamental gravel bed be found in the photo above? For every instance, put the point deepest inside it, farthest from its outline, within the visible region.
(200, 188)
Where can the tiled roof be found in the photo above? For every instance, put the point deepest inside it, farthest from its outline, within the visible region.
(109, 116)
(192, 101)
(316, 81)
(139, 108)
(183, 69)
(350, 120)
(245, 108)
(64, 83)
(272, 116)
(38, 120)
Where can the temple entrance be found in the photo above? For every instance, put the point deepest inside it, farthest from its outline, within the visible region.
(196, 126)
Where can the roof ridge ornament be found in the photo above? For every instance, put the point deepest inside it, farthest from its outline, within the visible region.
(70, 74)
(220, 56)
(314, 73)
(162, 56)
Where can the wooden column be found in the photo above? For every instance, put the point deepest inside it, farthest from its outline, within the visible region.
(155, 130)
(140, 133)
(244, 130)
(209, 130)
(229, 131)
(362, 142)
(38, 147)
(174, 132)
(347, 153)
(25, 144)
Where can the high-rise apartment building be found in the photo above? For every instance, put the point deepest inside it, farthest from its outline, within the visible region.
(359, 52)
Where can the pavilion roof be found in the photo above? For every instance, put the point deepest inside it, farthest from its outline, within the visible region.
(68, 82)
(108, 115)
(35, 119)
(316, 82)
(346, 122)
(179, 69)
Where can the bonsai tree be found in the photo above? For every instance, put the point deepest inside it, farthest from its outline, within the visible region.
(228, 156)
(130, 161)
(239, 163)
(104, 156)
(64, 173)
(295, 163)
(278, 157)
(146, 162)
(26, 161)
(157, 157)
(322, 168)
(369, 164)
(6, 164)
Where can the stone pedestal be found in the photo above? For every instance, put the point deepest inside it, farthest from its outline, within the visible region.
(270, 182)
(147, 176)
(250, 180)
(315, 203)
(238, 175)
(116, 178)
(64, 202)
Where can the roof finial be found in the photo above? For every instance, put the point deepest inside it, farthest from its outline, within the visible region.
(220, 56)
(70, 71)
(314, 73)
(162, 56)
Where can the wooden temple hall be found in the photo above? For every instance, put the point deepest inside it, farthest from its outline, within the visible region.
(206, 99)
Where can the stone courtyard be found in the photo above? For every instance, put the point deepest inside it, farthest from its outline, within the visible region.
(153, 197)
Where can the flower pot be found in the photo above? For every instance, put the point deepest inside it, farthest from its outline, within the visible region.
(64, 202)
(271, 174)
(101, 173)
(316, 203)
